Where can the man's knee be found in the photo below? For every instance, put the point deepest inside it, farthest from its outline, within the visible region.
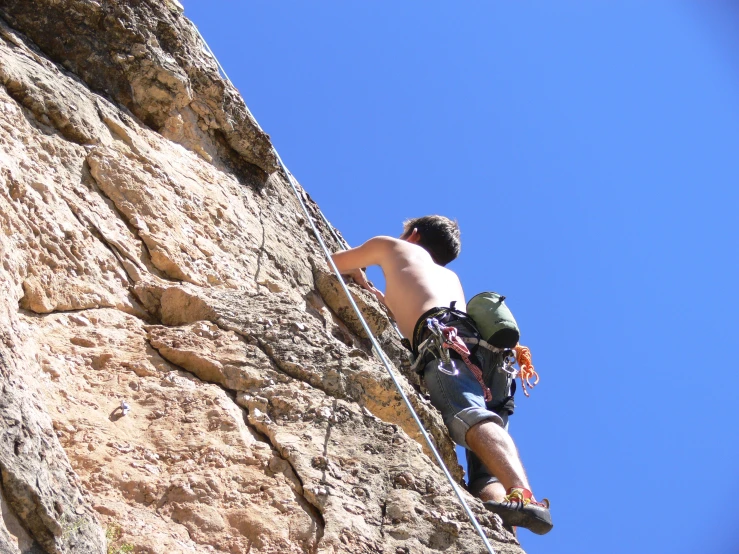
(465, 420)
(485, 433)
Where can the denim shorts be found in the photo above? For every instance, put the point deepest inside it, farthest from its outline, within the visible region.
(460, 400)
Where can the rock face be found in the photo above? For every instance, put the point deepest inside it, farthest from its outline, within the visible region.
(180, 372)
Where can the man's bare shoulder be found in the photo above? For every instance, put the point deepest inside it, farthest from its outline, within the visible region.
(384, 240)
(375, 251)
(383, 246)
(392, 248)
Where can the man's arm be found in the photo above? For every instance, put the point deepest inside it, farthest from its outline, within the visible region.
(350, 262)
(372, 252)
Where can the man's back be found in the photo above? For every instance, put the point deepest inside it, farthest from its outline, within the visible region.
(415, 284)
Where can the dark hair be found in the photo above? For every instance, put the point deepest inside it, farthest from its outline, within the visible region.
(439, 236)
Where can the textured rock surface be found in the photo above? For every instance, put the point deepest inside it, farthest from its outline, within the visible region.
(145, 55)
(179, 370)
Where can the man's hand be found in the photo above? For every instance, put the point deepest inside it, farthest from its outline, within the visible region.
(359, 278)
(372, 252)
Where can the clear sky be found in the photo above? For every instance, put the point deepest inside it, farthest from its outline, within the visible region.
(590, 152)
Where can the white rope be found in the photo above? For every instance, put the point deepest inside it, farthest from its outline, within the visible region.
(385, 362)
(339, 240)
(375, 344)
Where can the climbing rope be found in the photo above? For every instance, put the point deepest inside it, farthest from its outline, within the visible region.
(375, 344)
(527, 372)
(386, 363)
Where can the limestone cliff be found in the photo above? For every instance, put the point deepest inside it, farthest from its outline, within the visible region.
(178, 369)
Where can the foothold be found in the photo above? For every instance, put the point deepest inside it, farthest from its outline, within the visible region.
(319, 462)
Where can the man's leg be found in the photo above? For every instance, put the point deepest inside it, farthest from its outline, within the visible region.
(481, 483)
(492, 491)
(511, 498)
(459, 399)
(472, 425)
(495, 447)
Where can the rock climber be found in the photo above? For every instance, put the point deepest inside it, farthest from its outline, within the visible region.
(418, 287)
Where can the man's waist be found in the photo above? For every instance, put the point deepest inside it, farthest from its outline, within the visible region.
(448, 316)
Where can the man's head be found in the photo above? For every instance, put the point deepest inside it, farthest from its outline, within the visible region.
(439, 235)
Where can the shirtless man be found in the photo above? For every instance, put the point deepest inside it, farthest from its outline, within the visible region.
(418, 285)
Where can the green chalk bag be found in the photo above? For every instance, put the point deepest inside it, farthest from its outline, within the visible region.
(493, 319)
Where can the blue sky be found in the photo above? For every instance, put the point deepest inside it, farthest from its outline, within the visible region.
(589, 151)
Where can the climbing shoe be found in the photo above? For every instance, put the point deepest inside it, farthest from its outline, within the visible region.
(520, 509)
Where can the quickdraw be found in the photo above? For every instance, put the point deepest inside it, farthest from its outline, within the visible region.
(447, 338)
(438, 340)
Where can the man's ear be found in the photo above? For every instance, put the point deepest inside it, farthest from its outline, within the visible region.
(414, 237)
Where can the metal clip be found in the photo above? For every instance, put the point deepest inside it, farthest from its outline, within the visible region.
(448, 367)
(509, 361)
(445, 361)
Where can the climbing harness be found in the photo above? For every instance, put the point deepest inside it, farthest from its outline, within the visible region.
(375, 344)
(442, 339)
(520, 355)
(438, 340)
